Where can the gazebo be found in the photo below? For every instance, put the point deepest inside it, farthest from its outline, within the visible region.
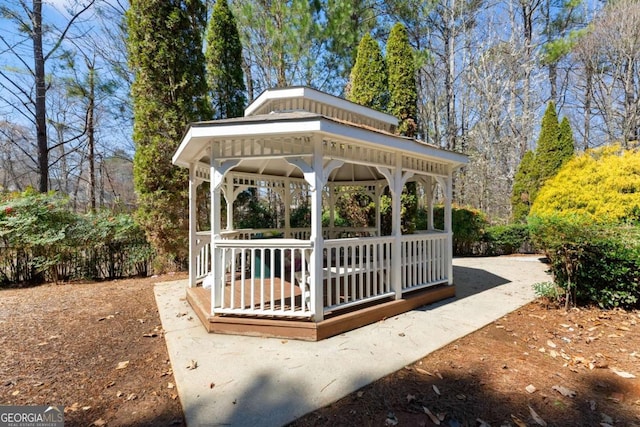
(317, 281)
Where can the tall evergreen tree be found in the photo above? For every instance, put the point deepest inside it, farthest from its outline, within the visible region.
(224, 63)
(566, 143)
(523, 188)
(551, 151)
(403, 96)
(368, 83)
(555, 147)
(168, 92)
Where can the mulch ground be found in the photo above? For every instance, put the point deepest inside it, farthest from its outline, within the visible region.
(98, 349)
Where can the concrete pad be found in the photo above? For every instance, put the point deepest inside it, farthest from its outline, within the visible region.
(248, 381)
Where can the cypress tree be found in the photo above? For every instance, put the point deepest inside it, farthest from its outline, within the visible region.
(565, 142)
(403, 96)
(523, 188)
(548, 158)
(224, 63)
(169, 91)
(368, 83)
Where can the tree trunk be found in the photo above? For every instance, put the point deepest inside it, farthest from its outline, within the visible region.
(91, 137)
(41, 93)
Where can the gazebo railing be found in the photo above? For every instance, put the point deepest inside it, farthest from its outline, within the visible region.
(265, 277)
(356, 271)
(424, 260)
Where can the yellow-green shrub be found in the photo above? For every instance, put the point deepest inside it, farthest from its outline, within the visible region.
(602, 184)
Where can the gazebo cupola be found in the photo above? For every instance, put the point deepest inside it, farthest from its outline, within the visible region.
(318, 280)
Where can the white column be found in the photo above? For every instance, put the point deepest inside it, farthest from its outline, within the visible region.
(448, 226)
(316, 175)
(396, 226)
(286, 196)
(396, 179)
(428, 190)
(217, 171)
(193, 249)
(229, 196)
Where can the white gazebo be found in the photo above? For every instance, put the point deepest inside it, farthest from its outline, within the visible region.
(317, 281)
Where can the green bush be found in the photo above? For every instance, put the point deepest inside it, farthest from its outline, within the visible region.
(41, 240)
(506, 239)
(592, 262)
(468, 226)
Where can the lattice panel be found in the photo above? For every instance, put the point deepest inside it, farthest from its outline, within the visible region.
(358, 154)
(266, 147)
(424, 166)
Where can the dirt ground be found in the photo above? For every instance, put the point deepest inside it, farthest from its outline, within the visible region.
(98, 349)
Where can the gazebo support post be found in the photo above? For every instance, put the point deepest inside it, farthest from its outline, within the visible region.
(218, 171)
(448, 224)
(193, 248)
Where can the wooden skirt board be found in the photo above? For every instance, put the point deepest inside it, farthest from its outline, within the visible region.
(200, 300)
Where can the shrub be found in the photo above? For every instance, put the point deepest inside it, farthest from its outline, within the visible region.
(603, 185)
(506, 239)
(42, 240)
(468, 226)
(591, 262)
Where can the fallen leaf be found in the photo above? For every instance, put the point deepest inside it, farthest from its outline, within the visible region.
(122, 365)
(530, 388)
(360, 393)
(592, 405)
(99, 422)
(410, 398)
(537, 417)
(86, 408)
(606, 418)
(564, 391)
(15, 393)
(150, 335)
(391, 420)
(119, 394)
(439, 375)
(622, 374)
(192, 364)
(172, 385)
(422, 371)
(72, 408)
(433, 418)
(553, 353)
(131, 396)
(435, 388)
(551, 344)
(518, 421)
(482, 423)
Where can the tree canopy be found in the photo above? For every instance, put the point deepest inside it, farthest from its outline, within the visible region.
(368, 81)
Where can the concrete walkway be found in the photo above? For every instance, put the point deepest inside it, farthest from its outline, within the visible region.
(247, 381)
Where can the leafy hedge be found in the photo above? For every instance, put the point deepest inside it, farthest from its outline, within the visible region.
(593, 263)
(42, 240)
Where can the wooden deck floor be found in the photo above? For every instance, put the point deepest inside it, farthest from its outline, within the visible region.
(200, 300)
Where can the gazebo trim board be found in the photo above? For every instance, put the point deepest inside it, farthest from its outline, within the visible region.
(314, 282)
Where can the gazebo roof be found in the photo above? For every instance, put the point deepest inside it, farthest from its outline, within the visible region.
(292, 116)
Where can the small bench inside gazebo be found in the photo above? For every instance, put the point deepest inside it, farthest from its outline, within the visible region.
(308, 147)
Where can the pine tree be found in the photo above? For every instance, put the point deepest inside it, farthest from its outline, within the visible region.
(523, 187)
(168, 92)
(368, 84)
(224, 63)
(403, 96)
